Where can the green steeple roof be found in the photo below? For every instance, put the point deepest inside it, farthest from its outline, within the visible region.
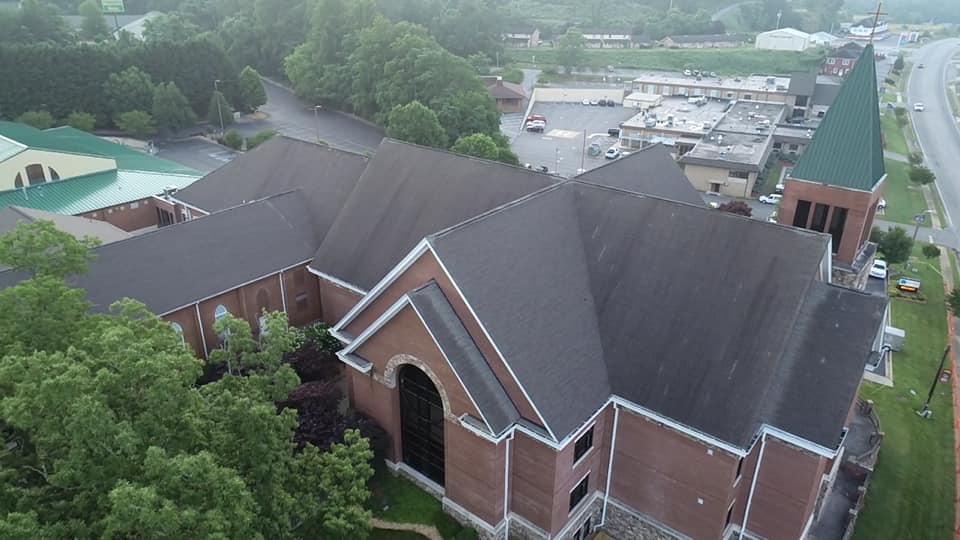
(847, 150)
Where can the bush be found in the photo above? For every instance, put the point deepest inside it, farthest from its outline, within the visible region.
(37, 119)
(82, 121)
(890, 81)
(137, 123)
(233, 139)
(953, 300)
(253, 142)
(915, 158)
(319, 334)
(931, 251)
(737, 207)
(921, 175)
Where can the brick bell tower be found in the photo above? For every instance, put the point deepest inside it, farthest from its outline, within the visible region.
(839, 179)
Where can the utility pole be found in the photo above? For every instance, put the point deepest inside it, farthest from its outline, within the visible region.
(876, 19)
(316, 120)
(926, 412)
(216, 92)
(583, 151)
(779, 15)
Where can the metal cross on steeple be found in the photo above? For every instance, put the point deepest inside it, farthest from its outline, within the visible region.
(876, 19)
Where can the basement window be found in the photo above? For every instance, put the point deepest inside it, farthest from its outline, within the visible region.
(579, 492)
(583, 445)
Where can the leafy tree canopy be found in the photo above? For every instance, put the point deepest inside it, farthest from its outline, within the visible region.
(484, 146)
(895, 244)
(93, 26)
(416, 123)
(171, 110)
(82, 121)
(129, 90)
(921, 175)
(38, 248)
(37, 119)
(219, 111)
(252, 94)
(137, 123)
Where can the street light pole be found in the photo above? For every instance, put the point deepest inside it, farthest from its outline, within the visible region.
(926, 406)
(216, 92)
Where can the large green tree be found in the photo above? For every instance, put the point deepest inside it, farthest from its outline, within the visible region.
(171, 110)
(139, 124)
(169, 27)
(129, 90)
(38, 248)
(136, 448)
(416, 123)
(484, 146)
(93, 26)
(252, 94)
(571, 51)
(219, 110)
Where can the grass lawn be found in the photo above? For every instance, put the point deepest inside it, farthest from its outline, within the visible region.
(407, 503)
(724, 61)
(773, 176)
(913, 489)
(904, 199)
(893, 135)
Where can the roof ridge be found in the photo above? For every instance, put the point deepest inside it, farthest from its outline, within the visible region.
(466, 156)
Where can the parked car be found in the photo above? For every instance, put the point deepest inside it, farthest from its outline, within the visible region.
(611, 103)
(613, 132)
(612, 153)
(771, 199)
(879, 269)
(594, 102)
(535, 117)
(778, 188)
(602, 103)
(920, 66)
(585, 102)
(918, 107)
(536, 125)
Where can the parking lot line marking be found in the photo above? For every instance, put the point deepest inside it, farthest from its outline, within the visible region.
(567, 134)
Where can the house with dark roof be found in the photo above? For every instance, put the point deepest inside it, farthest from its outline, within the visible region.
(522, 36)
(509, 96)
(839, 180)
(67, 171)
(548, 356)
(841, 60)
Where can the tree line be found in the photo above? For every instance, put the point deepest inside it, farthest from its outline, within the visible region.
(111, 428)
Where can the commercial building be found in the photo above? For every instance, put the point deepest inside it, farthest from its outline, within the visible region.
(839, 180)
(868, 28)
(608, 38)
(705, 41)
(525, 340)
(729, 158)
(783, 39)
(71, 172)
(751, 88)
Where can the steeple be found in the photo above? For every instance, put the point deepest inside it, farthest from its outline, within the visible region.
(847, 148)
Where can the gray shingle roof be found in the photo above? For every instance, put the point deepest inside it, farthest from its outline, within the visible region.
(693, 314)
(651, 171)
(325, 176)
(180, 264)
(464, 356)
(406, 193)
(79, 227)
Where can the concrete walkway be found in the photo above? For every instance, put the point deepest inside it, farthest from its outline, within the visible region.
(427, 531)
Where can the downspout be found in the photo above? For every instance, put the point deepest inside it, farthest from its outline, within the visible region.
(506, 490)
(283, 294)
(203, 338)
(613, 448)
(753, 485)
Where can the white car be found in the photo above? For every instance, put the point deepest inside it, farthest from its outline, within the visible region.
(778, 188)
(612, 153)
(771, 199)
(585, 102)
(879, 269)
(918, 107)
(595, 102)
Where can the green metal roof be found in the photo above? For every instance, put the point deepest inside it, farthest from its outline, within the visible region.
(93, 192)
(847, 149)
(73, 141)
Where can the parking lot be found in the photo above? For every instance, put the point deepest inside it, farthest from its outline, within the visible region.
(571, 128)
(197, 153)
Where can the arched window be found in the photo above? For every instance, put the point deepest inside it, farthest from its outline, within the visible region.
(18, 181)
(220, 312)
(35, 174)
(54, 175)
(179, 330)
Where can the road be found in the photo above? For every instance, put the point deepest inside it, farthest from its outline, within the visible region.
(937, 129)
(288, 115)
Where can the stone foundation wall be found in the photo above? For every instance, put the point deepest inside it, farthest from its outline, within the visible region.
(848, 278)
(464, 518)
(622, 523)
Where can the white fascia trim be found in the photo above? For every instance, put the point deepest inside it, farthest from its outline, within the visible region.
(17, 143)
(362, 369)
(483, 328)
(234, 287)
(370, 296)
(447, 358)
(188, 205)
(790, 438)
(343, 339)
(337, 281)
(383, 319)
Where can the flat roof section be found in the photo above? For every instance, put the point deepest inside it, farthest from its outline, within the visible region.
(751, 117)
(741, 151)
(687, 117)
(759, 83)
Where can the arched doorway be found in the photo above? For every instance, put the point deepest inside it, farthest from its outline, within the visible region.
(421, 423)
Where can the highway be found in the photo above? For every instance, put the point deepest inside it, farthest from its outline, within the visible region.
(937, 129)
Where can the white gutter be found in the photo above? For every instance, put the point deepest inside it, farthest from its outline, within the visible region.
(283, 294)
(206, 355)
(506, 491)
(753, 485)
(613, 449)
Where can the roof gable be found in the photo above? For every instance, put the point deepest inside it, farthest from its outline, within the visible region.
(651, 171)
(590, 291)
(406, 193)
(847, 149)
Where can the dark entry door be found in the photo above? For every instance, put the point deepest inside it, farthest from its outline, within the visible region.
(421, 423)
